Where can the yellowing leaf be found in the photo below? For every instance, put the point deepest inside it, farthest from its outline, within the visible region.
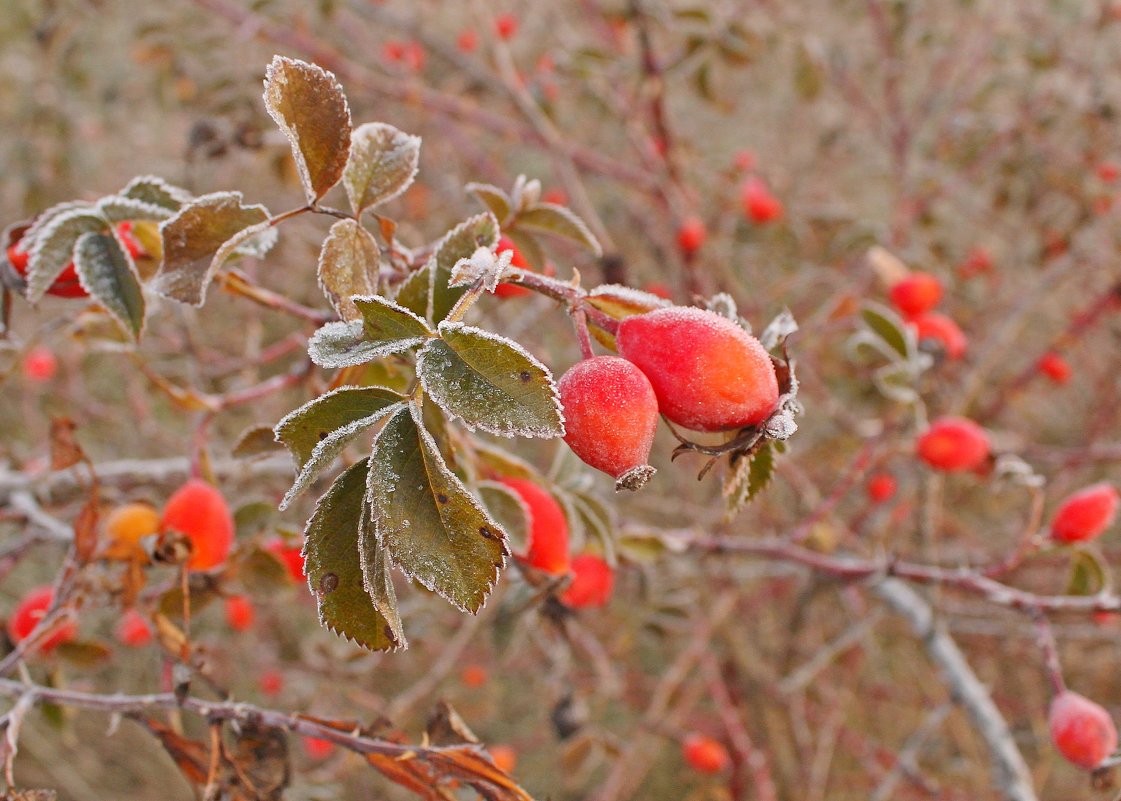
(348, 266)
(383, 162)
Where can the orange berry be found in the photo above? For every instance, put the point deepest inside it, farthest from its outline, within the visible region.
(940, 329)
(1055, 367)
(917, 293)
(504, 757)
(271, 682)
(291, 555)
(506, 25)
(39, 365)
(548, 528)
(610, 413)
(240, 613)
(592, 582)
(881, 487)
(27, 614)
(1086, 514)
(707, 372)
(133, 630)
(705, 754)
(691, 235)
(128, 524)
(954, 444)
(317, 748)
(474, 676)
(759, 204)
(1082, 730)
(198, 511)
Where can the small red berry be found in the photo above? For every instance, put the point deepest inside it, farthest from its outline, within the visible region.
(691, 235)
(707, 372)
(1086, 514)
(474, 676)
(39, 365)
(1109, 171)
(413, 56)
(27, 614)
(977, 261)
(506, 25)
(271, 682)
(1082, 730)
(759, 204)
(954, 444)
(393, 51)
(548, 528)
(292, 557)
(133, 630)
(881, 487)
(467, 41)
(592, 582)
(1055, 367)
(610, 413)
(198, 511)
(317, 748)
(942, 330)
(517, 260)
(917, 293)
(240, 613)
(705, 754)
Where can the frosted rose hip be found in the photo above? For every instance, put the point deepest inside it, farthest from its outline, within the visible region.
(610, 415)
(1086, 514)
(953, 444)
(592, 582)
(199, 511)
(1083, 731)
(708, 373)
(548, 528)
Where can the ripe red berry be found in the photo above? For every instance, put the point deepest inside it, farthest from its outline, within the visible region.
(548, 528)
(291, 556)
(39, 365)
(942, 330)
(517, 260)
(1055, 367)
(271, 682)
(317, 748)
(610, 414)
(240, 613)
(759, 204)
(592, 582)
(881, 487)
(27, 614)
(467, 41)
(1109, 171)
(954, 444)
(1086, 514)
(474, 676)
(393, 51)
(705, 754)
(413, 56)
(198, 511)
(506, 25)
(1083, 731)
(133, 630)
(977, 261)
(691, 235)
(917, 293)
(65, 286)
(707, 372)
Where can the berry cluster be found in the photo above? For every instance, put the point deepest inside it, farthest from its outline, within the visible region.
(916, 296)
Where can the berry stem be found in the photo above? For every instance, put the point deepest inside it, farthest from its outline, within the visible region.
(580, 323)
(1045, 637)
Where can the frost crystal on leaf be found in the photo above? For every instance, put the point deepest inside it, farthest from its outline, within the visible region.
(482, 265)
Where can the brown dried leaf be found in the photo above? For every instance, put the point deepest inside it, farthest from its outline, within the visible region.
(85, 529)
(192, 757)
(348, 266)
(65, 450)
(446, 727)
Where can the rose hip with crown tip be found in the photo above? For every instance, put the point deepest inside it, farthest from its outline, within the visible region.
(611, 414)
(759, 204)
(1055, 367)
(39, 365)
(240, 613)
(1082, 730)
(943, 330)
(198, 511)
(916, 294)
(517, 260)
(707, 372)
(1086, 514)
(548, 528)
(954, 444)
(592, 582)
(27, 614)
(705, 754)
(133, 630)
(881, 487)
(691, 235)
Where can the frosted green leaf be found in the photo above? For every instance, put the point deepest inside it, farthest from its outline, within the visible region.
(561, 221)
(333, 567)
(511, 512)
(304, 429)
(749, 476)
(156, 191)
(374, 561)
(383, 162)
(53, 248)
(310, 108)
(597, 522)
(199, 238)
(426, 292)
(433, 528)
(496, 200)
(40, 223)
(385, 321)
(348, 265)
(107, 273)
(116, 208)
(344, 344)
(490, 383)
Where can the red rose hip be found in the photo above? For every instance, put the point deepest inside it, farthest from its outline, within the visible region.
(548, 528)
(705, 754)
(691, 235)
(707, 372)
(1086, 514)
(942, 330)
(1083, 731)
(759, 205)
(592, 582)
(953, 444)
(198, 511)
(916, 294)
(610, 414)
(33, 608)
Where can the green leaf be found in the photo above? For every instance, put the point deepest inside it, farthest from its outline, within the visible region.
(197, 240)
(1089, 574)
(156, 191)
(433, 528)
(45, 217)
(333, 568)
(53, 248)
(598, 523)
(386, 321)
(348, 266)
(889, 327)
(495, 199)
(490, 383)
(310, 108)
(344, 344)
(383, 162)
(426, 292)
(106, 271)
(116, 208)
(376, 578)
(561, 221)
